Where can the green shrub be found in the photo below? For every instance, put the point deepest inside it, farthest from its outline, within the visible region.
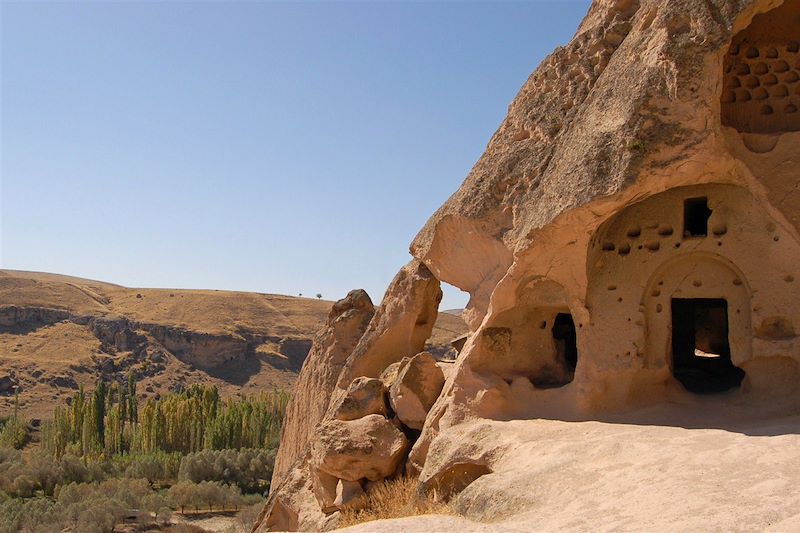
(249, 469)
(14, 433)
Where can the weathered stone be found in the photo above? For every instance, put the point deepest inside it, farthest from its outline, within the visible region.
(349, 493)
(370, 447)
(416, 389)
(401, 324)
(293, 505)
(453, 479)
(324, 487)
(346, 323)
(389, 375)
(365, 396)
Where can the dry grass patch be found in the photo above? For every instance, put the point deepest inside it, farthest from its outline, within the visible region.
(394, 499)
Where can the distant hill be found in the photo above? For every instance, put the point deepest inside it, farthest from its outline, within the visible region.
(57, 332)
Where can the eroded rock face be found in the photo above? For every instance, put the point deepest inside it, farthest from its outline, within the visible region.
(339, 382)
(416, 388)
(365, 396)
(389, 374)
(640, 178)
(346, 324)
(370, 447)
(401, 325)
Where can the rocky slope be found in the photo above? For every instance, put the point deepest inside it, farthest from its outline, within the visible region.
(58, 331)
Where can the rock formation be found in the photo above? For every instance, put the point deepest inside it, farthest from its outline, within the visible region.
(629, 238)
(338, 429)
(346, 324)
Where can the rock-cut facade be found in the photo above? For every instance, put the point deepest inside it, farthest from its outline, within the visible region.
(629, 238)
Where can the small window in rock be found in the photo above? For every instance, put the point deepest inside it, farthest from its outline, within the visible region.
(695, 217)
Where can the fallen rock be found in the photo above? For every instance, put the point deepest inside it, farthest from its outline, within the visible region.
(365, 396)
(416, 389)
(370, 447)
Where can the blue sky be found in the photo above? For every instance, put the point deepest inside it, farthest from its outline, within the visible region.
(262, 146)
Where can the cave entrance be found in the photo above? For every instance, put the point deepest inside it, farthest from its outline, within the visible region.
(701, 353)
(566, 340)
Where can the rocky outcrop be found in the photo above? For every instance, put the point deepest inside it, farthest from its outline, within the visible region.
(324, 440)
(347, 322)
(16, 319)
(120, 334)
(401, 325)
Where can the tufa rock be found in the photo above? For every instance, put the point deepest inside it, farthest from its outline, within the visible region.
(346, 323)
(365, 396)
(401, 325)
(416, 388)
(370, 447)
(389, 375)
(612, 238)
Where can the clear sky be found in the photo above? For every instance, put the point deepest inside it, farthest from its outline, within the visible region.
(261, 146)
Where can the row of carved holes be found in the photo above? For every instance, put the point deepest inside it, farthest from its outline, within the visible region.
(753, 52)
(779, 67)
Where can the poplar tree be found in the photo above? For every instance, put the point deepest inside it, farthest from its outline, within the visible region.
(133, 412)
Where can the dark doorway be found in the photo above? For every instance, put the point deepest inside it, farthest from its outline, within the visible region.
(566, 341)
(701, 354)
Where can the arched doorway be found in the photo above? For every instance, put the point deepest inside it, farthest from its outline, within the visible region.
(698, 322)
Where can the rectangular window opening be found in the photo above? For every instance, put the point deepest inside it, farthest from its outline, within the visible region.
(695, 217)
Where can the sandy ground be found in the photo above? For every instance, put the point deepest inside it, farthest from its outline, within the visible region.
(615, 476)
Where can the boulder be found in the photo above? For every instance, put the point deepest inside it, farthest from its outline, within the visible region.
(416, 388)
(365, 396)
(370, 447)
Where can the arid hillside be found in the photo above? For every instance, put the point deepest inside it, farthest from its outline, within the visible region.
(57, 332)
